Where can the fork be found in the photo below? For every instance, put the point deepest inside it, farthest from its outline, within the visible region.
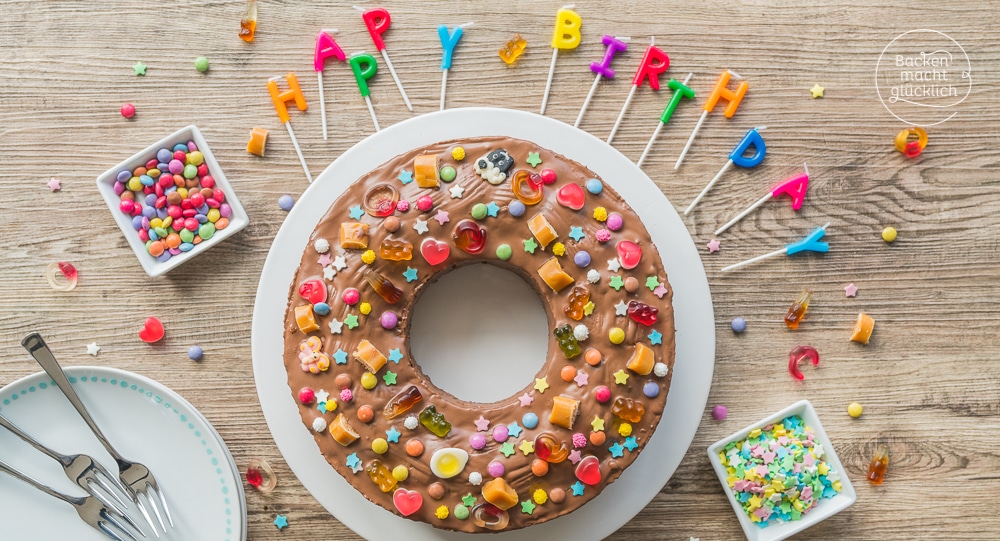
(83, 470)
(90, 509)
(136, 478)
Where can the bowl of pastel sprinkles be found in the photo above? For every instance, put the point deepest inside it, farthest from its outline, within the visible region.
(172, 201)
(781, 474)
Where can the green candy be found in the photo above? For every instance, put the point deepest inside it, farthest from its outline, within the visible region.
(504, 252)
(206, 230)
(461, 512)
(161, 232)
(448, 173)
(201, 64)
(479, 211)
(187, 235)
(190, 171)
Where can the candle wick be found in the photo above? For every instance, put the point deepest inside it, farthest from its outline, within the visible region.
(466, 25)
(652, 40)
(569, 6)
(760, 128)
(329, 30)
(623, 38)
(734, 74)
(806, 168)
(827, 224)
(359, 8)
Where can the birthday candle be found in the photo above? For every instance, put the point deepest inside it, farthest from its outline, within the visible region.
(565, 36)
(681, 91)
(326, 47)
(752, 138)
(795, 187)
(810, 243)
(603, 68)
(721, 91)
(448, 42)
(377, 21)
(364, 67)
(280, 100)
(653, 63)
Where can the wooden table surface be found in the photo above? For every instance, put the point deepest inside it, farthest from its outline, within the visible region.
(928, 380)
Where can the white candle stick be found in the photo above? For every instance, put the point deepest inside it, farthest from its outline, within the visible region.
(729, 163)
(621, 115)
(371, 110)
(298, 151)
(548, 82)
(325, 48)
(794, 186)
(743, 214)
(718, 92)
(656, 132)
(586, 102)
(566, 35)
(444, 84)
(808, 244)
(322, 103)
(687, 146)
(399, 84)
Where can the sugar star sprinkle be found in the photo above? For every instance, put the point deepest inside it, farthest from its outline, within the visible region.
(482, 424)
(652, 282)
(392, 435)
(575, 456)
(355, 212)
(323, 260)
(614, 265)
(54, 184)
(336, 326)
(541, 384)
(351, 321)
(617, 451)
(507, 448)
(660, 291)
(329, 272)
(534, 159)
(817, 91)
(530, 246)
(405, 177)
(281, 521)
(621, 309)
(139, 68)
(93, 349)
(576, 233)
(631, 443)
(597, 424)
(469, 500)
(442, 217)
(616, 282)
(354, 462)
(322, 395)
(340, 356)
(713, 246)
(655, 337)
(456, 192)
(850, 290)
(395, 355)
(582, 378)
(525, 399)
(527, 447)
(492, 209)
(589, 308)
(420, 226)
(621, 378)
(340, 263)
(527, 507)
(389, 377)
(514, 430)
(577, 488)
(410, 274)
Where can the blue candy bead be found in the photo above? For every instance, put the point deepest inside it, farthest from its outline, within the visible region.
(321, 308)
(739, 324)
(516, 209)
(286, 202)
(146, 180)
(161, 213)
(148, 212)
(530, 420)
(195, 353)
(595, 186)
(203, 209)
(151, 199)
(153, 235)
(651, 389)
(124, 175)
(164, 166)
(181, 147)
(186, 247)
(201, 218)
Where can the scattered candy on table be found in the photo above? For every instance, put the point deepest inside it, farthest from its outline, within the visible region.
(68, 273)
(850, 290)
(863, 328)
(911, 141)
(260, 475)
(713, 246)
(779, 472)
(799, 354)
(719, 413)
(739, 324)
(512, 49)
(201, 64)
(878, 466)
(248, 23)
(889, 234)
(54, 184)
(93, 349)
(797, 311)
(281, 521)
(128, 110)
(286, 202)
(152, 330)
(195, 353)
(258, 139)
(817, 91)
(854, 409)
(139, 68)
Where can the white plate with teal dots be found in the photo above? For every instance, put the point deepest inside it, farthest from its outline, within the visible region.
(146, 422)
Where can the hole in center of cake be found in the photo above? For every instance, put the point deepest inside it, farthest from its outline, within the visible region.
(480, 333)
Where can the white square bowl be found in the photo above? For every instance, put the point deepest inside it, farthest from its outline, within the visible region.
(824, 509)
(106, 182)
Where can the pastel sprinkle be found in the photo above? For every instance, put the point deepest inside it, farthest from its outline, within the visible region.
(492, 209)
(410, 274)
(405, 177)
(395, 355)
(530, 246)
(534, 159)
(356, 213)
(576, 233)
(577, 488)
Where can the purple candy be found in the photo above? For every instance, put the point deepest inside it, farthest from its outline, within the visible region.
(582, 259)
(615, 221)
(516, 209)
(651, 389)
(163, 166)
(389, 320)
(719, 413)
(176, 167)
(495, 469)
(119, 187)
(225, 210)
(192, 147)
(164, 155)
(203, 209)
(201, 218)
(165, 256)
(161, 213)
(500, 433)
(148, 212)
(145, 222)
(124, 175)
(477, 441)
(137, 222)
(174, 251)
(151, 199)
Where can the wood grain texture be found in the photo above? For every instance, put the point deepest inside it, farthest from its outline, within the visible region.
(929, 380)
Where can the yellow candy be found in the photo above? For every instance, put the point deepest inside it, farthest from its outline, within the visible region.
(365, 308)
(458, 153)
(540, 496)
(368, 380)
(380, 446)
(838, 486)
(155, 223)
(168, 221)
(616, 335)
(559, 249)
(755, 433)
(889, 234)
(213, 215)
(823, 468)
(183, 192)
(368, 257)
(625, 430)
(401, 473)
(134, 184)
(854, 410)
(442, 512)
(601, 214)
(330, 405)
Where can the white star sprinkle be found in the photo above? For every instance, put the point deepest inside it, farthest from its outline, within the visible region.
(621, 308)
(614, 265)
(93, 349)
(420, 226)
(336, 326)
(340, 263)
(322, 395)
(457, 192)
(329, 272)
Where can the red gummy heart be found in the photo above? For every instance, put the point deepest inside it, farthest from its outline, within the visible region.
(152, 331)
(629, 254)
(571, 196)
(407, 501)
(313, 291)
(548, 176)
(434, 252)
(588, 471)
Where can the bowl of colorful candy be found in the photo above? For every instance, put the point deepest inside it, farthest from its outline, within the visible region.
(172, 201)
(781, 474)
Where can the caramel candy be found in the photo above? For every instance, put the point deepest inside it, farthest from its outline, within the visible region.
(542, 230)
(425, 171)
(863, 328)
(369, 356)
(500, 494)
(553, 275)
(305, 318)
(258, 139)
(642, 360)
(564, 411)
(354, 236)
(342, 431)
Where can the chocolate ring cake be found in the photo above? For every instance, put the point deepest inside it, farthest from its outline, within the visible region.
(415, 449)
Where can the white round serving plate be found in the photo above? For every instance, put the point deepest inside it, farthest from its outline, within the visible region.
(147, 423)
(694, 320)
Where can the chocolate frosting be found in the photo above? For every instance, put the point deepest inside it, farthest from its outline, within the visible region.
(504, 228)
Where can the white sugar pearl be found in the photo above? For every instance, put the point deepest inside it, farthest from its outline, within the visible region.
(581, 332)
(319, 424)
(411, 422)
(322, 246)
(661, 370)
(593, 276)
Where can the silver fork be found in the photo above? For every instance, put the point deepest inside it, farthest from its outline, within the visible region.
(83, 470)
(137, 479)
(90, 509)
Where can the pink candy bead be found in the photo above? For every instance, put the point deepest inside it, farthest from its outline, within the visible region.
(477, 441)
(602, 235)
(425, 203)
(602, 394)
(403, 205)
(128, 110)
(346, 395)
(351, 296)
(579, 440)
(500, 433)
(615, 221)
(495, 469)
(307, 395)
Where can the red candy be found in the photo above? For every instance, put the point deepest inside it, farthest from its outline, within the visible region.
(407, 501)
(128, 110)
(425, 203)
(434, 252)
(572, 196)
(351, 296)
(799, 354)
(548, 176)
(313, 291)
(629, 254)
(469, 237)
(642, 313)
(549, 449)
(588, 471)
(602, 394)
(307, 396)
(152, 331)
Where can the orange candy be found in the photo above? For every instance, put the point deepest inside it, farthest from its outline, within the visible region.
(414, 448)
(597, 438)
(155, 248)
(593, 357)
(173, 240)
(539, 467)
(221, 223)
(258, 139)
(366, 414)
(567, 373)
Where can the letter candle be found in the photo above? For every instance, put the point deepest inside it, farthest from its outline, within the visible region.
(810, 243)
(603, 68)
(448, 42)
(280, 100)
(681, 91)
(653, 63)
(721, 91)
(326, 47)
(364, 67)
(565, 36)
(377, 21)
(795, 187)
(752, 138)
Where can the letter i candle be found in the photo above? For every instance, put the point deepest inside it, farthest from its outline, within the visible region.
(364, 67)
(281, 99)
(795, 187)
(654, 62)
(752, 138)
(721, 91)
(326, 47)
(681, 91)
(603, 68)
(565, 36)
(448, 42)
(377, 21)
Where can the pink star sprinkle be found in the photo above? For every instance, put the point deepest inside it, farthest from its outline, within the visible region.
(442, 217)
(574, 456)
(850, 290)
(582, 378)
(324, 260)
(54, 184)
(713, 245)
(525, 399)
(660, 291)
(482, 424)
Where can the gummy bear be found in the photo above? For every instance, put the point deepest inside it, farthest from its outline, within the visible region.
(380, 200)
(381, 476)
(434, 421)
(512, 49)
(395, 250)
(469, 237)
(797, 311)
(567, 341)
(642, 313)
(628, 409)
(385, 289)
(578, 298)
(313, 360)
(402, 402)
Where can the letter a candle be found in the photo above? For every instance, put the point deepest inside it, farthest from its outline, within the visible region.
(721, 91)
(654, 62)
(795, 187)
(565, 36)
(326, 47)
